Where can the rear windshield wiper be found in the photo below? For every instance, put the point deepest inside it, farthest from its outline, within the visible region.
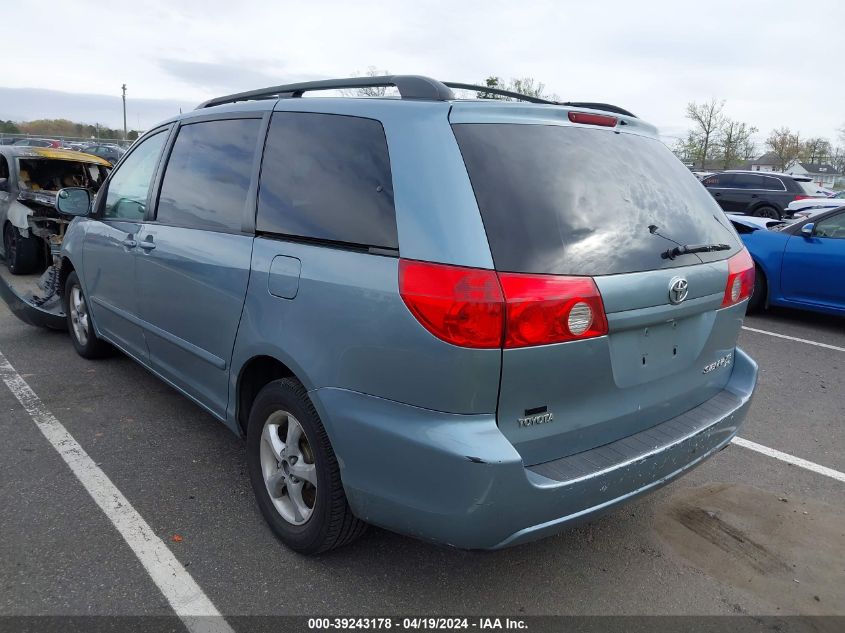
(689, 249)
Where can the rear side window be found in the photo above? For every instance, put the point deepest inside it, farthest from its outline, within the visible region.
(327, 177)
(749, 181)
(773, 184)
(577, 201)
(207, 179)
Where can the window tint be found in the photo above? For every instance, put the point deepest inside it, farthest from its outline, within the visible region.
(328, 177)
(831, 227)
(719, 180)
(575, 201)
(773, 184)
(128, 188)
(207, 177)
(748, 181)
(4, 167)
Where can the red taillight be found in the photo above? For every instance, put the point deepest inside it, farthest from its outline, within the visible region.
(462, 306)
(592, 119)
(800, 197)
(543, 309)
(467, 307)
(740, 278)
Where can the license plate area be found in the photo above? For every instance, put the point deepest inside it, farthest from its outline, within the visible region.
(651, 352)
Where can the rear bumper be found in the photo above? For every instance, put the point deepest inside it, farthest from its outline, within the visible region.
(455, 479)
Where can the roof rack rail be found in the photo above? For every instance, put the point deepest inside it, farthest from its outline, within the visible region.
(499, 91)
(409, 86)
(518, 95)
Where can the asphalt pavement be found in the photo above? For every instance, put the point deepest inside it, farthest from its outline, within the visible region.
(744, 533)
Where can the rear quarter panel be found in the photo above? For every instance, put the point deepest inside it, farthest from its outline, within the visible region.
(766, 248)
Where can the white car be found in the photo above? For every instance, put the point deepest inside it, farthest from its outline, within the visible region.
(755, 222)
(811, 206)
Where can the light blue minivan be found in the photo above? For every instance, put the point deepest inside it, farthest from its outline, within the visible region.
(471, 321)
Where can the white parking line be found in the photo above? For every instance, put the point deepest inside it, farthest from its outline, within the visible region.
(183, 593)
(794, 338)
(790, 459)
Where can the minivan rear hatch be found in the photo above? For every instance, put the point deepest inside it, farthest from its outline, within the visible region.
(607, 202)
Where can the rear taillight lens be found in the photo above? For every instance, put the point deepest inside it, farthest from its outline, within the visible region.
(479, 308)
(592, 119)
(543, 309)
(462, 306)
(800, 197)
(740, 278)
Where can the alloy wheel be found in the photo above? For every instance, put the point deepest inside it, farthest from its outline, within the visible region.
(79, 315)
(287, 464)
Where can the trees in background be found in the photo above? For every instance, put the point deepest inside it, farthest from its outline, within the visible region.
(9, 127)
(718, 142)
(65, 128)
(707, 120)
(715, 140)
(736, 142)
(369, 91)
(785, 145)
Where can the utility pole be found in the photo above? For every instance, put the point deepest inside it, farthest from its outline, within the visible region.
(124, 111)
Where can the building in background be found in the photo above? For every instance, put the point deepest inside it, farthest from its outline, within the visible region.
(823, 174)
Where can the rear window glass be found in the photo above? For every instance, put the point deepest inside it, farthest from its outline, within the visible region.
(327, 177)
(566, 200)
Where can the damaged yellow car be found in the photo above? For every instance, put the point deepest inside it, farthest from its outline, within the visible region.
(32, 229)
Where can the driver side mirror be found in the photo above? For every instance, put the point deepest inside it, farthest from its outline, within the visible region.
(75, 201)
(807, 229)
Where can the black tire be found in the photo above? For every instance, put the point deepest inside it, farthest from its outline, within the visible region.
(767, 212)
(757, 300)
(22, 253)
(91, 347)
(331, 523)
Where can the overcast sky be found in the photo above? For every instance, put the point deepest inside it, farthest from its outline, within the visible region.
(774, 62)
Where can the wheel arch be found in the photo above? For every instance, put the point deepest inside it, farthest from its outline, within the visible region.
(253, 375)
(759, 269)
(766, 203)
(66, 269)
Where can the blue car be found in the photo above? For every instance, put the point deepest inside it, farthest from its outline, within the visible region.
(798, 265)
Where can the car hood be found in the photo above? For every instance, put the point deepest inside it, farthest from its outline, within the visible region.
(63, 154)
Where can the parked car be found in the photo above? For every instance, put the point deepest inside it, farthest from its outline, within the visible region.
(813, 206)
(753, 222)
(345, 282)
(111, 153)
(764, 194)
(799, 265)
(814, 189)
(30, 177)
(37, 142)
(7, 140)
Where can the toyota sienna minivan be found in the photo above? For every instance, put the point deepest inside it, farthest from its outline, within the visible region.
(471, 321)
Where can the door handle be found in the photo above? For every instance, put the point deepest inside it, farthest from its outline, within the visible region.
(147, 245)
(753, 195)
(130, 243)
(717, 194)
